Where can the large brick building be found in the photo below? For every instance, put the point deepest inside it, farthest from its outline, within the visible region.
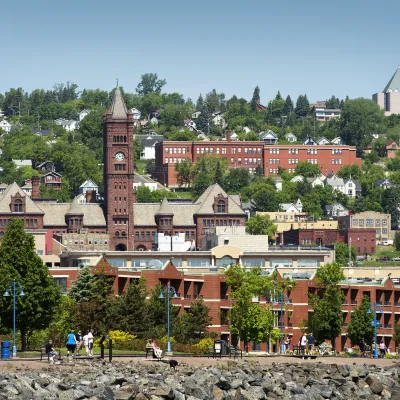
(251, 154)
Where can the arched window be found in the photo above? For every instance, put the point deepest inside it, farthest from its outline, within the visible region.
(124, 139)
(114, 139)
(123, 234)
(221, 207)
(117, 234)
(18, 205)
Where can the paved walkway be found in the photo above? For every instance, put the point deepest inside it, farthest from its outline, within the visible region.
(20, 365)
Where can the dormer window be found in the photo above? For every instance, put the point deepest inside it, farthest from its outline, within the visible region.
(221, 206)
(18, 206)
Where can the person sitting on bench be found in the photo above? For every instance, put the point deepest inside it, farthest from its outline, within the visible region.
(157, 351)
(51, 352)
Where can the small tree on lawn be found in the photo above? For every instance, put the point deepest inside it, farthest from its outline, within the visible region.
(360, 324)
(19, 261)
(327, 303)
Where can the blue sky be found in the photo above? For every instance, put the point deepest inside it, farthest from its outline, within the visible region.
(320, 48)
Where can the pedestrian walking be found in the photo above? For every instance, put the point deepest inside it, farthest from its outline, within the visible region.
(86, 344)
(311, 342)
(71, 343)
(79, 342)
(382, 348)
(303, 343)
(90, 342)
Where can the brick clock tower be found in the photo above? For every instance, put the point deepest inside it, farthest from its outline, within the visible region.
(118, 174)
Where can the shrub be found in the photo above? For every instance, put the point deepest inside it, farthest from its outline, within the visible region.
(204, 345)
(121, 340)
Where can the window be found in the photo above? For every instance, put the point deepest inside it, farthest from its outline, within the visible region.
(62, 282)
(221, 206)
(225, 261)
(18, 205)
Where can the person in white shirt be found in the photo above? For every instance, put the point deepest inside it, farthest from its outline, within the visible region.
(303, 343)
(90, 342)
(86, 344)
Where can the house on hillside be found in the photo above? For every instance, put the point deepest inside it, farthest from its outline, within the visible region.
(5, 126)
(40, 132)
(336, 210)
(52, 181)
(68, 124)
(336, 183)
(297, 178)
(315, 181)
(136, 114)
(391, 148)
(337, 141)
(218, 119)
(83, 114)
(45, 166)
(292, 207)
(269, 137)
(323, 141)
(290, 137)
(310, 142)
(190, 124)
(384, 184)
(88, 185)
(352, 188)
(22, 163)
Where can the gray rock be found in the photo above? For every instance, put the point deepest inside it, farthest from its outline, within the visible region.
(66, 395)
(374, 383)
(127, 392)
(324, 390)
(164, 392)
(105, 393)
(79, 394)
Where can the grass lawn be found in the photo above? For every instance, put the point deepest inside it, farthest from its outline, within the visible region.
(386, 251)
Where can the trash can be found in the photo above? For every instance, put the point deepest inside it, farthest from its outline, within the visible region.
(5, 350)
(220, 347)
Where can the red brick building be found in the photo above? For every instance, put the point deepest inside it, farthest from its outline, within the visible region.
(364, 240)
(250, 155)
(211, 287)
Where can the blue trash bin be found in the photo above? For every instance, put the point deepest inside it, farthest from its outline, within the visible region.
(5, 350)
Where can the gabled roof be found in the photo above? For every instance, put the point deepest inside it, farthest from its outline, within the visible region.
(88, 183)
(12, 190)
(323, 140)
(356, 183)
(165, 208)
(206, 201)
(118, 107)
(394, 83)
(384, 182)
(75, 208)
(310, 141)
(268, 134)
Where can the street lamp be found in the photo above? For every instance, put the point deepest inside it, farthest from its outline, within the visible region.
(14, 286)
(375, 323)
(282, 299)
(168, 289)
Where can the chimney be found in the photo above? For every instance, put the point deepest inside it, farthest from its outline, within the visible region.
(35, 187)
(90, 196)
(228, 136)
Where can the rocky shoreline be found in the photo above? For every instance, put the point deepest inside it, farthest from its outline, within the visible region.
(234, 380)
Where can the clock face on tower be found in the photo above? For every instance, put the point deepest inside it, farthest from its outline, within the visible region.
(119, 156)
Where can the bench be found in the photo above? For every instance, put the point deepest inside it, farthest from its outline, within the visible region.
(44, 354)
(149, 350)
(235, 352)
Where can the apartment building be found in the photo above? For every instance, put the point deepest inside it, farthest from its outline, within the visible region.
(249, 155)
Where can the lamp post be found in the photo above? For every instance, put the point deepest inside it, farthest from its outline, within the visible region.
(375, 323)
(282, 299)
(13, 286)
(168, 289)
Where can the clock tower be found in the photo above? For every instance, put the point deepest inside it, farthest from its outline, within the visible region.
(118, 174)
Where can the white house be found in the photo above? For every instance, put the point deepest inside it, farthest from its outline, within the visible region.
(384, 184)
(68, 124)
(317, 181)
(336, 210)
(292, 207)
(196, 114)
(278, 183)
(136, 114)
(202, 136)
(144, 180)
(297, 178)
(27, 188)
(323, 141)
(337, 141)
(88, 185)
(22, 163)
(234, 137)
(352, 188)
(5, 125)
(190, 124)
(336, 183)
(218, 119)
(83, 114)
(269, 137)
(148, 143)
(290, 137)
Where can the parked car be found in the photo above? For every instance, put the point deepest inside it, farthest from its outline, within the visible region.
(396, 259)
(387, 243)
(383, 259)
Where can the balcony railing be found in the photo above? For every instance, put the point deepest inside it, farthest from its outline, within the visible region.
(387, 326)
(226, 297)
(188, 297)
(353, 302)
(387, 303)
(198, 296)
(397, 304)
(345, 303)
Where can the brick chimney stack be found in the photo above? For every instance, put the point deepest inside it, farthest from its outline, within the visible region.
(35, 187)
(90, 196)
(228, 136)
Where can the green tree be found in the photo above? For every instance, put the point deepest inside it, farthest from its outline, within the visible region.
(218, 173)
(20, 262)
(82, 288)
(360, 325)
(250, 321)
(360, 119)
(353, 171)
(129, 312)
(397, 333)
(307, 170)
(390, 202)
(255, 99)
(201, 183)
(185, 172)
(327, 303)
(288, 107)
(261, 225)
(302, 106)
(342, 253)
(149, 83)
(236, 179)
(397, 240)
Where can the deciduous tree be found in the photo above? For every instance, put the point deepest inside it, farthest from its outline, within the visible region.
(360, 325)
(261, 225)
(149, 83)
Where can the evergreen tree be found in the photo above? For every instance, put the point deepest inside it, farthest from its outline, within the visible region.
(278, 96)
(258, 172)
(218, 173)
(20, 262)
(302, 106)
(327, 303)
(199, 103)
(255, 99)
(390, 202)
(288, 107)
(360, 324)
(204, 120)
(82, 287)
(130, 312)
